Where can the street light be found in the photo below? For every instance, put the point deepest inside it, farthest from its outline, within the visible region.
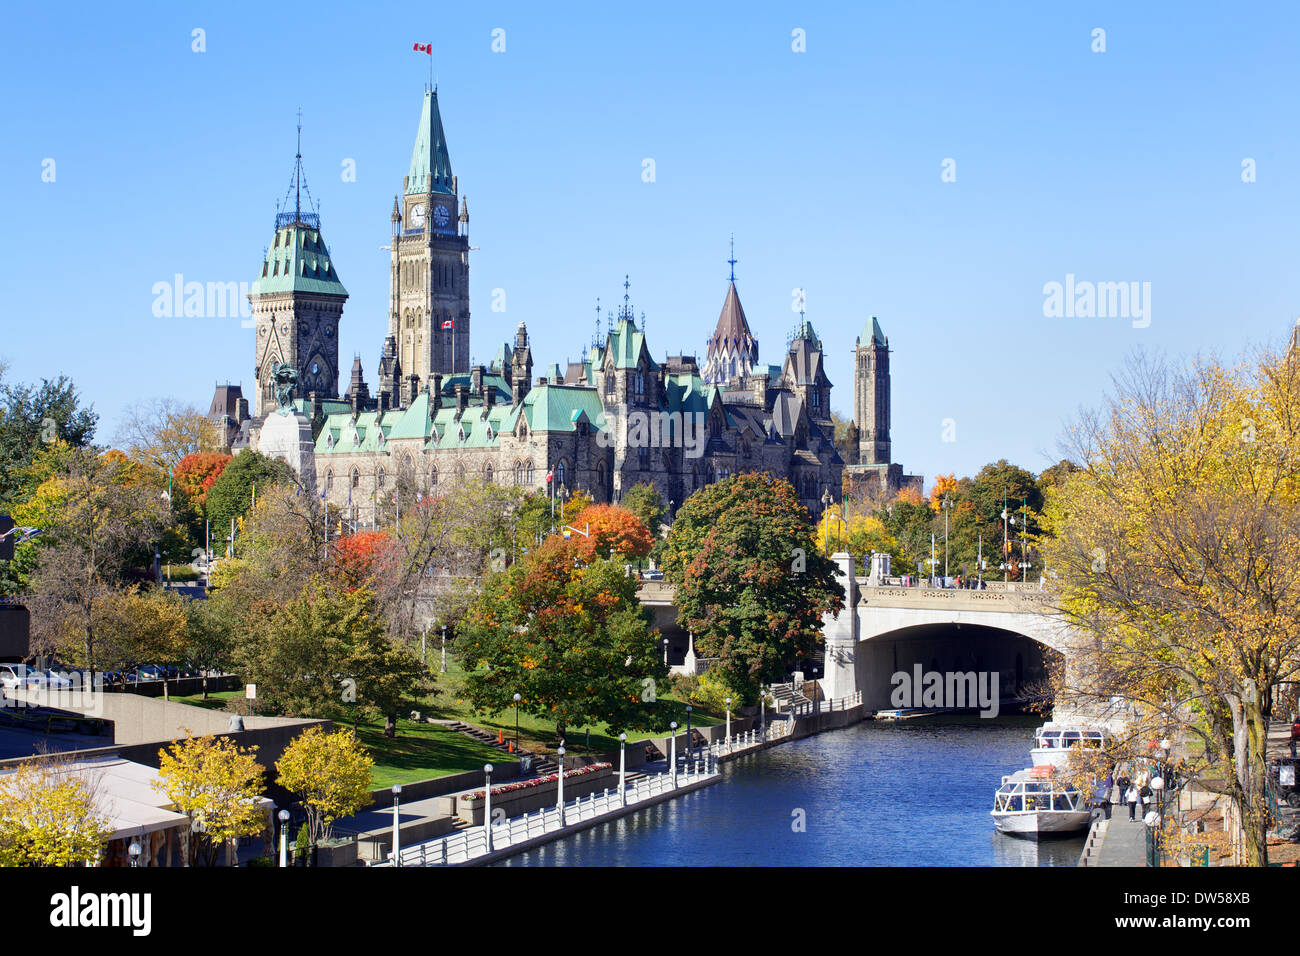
(518, 698)
(397, 831)
(284, 837)
(444, 648)
(665, 652)
(728, 720)
(1158, 785)
(827, 501)
(559, 804)
(1006, 547)
(487, 805)
(622, 770)
(134, 850)
(672, 763)
(947, 507)
(690, 741)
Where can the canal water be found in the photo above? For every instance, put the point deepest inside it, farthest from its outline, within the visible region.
(912, 793)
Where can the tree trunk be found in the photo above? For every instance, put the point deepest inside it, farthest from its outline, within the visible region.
(1250, 741)
(390, 726)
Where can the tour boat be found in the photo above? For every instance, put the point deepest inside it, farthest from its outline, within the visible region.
(1032, 803)
(1052, 742)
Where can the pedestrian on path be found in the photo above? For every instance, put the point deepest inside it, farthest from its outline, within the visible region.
(1295, 733)
(1131, 798)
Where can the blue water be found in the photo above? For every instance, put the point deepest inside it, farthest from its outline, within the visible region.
(913, 793)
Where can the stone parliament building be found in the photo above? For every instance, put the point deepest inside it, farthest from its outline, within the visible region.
(617, 418)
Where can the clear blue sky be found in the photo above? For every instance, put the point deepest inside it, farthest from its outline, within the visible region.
(1115, 166)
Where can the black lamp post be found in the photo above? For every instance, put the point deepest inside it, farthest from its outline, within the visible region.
(690, 741)
(518, 698)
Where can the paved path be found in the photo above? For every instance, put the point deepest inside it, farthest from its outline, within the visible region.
(1125, 841)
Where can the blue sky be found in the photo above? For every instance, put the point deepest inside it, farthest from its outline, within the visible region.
(826, 165)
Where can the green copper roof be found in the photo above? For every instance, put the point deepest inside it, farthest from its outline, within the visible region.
(626, 343)
(430, 153)
(871, 332)
(501, 361)
(805, 331)
(551, 408)
(298, 261)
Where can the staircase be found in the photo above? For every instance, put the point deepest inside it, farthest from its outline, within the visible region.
(541, 765)
(790, 700)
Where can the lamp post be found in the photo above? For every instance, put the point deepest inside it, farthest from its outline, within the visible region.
(690, 741)
(728, 720)
(665, 652)
(1158, 785)
(1006, 548)
(284, 837)
(444, 648)
(397, 829)
(134, 850)
(762, 709)
(518, 698)
(947, 508)
(622, 770)
(827, 501)
(672, 762)
(559, 804)
(487, 805)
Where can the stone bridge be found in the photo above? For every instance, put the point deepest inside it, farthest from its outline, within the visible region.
(885, 630)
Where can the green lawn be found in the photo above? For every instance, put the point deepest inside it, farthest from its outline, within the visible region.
(538, 734)
(216, 700)
(420, 751)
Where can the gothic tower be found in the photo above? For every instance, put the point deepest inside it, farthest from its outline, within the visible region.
(732, 350)
(297, 302)
(429, 280)
(871, 395)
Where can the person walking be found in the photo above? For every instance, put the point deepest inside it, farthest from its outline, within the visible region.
(1131, 798)
(1295, 733)
(1123, 783)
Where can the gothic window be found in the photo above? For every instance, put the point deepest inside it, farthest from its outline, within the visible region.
(433, 476)
(559, 473)
(460, 471)
(380, 479)
(487, 473)
(263, 270)
(356, 478)
(329, 481)
(519, 473)
(528, 473)
(643, 458)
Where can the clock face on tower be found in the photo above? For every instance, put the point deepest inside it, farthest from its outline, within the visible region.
(440, 216)
(417, 215)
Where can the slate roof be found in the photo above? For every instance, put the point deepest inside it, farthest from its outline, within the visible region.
(430, 154)
(298, 261)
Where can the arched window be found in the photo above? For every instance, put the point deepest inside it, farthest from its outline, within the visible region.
(487, 472)
(643, 458)
(356, 478)
(329, 481)
(519, 473)
(379, 480)
(433, 476)
(460, 471)
(559, 473)
(528, 474)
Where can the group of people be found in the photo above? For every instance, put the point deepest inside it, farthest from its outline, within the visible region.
(1139, 792)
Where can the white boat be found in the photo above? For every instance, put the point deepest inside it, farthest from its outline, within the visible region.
(1033, 803)
(1052, 742)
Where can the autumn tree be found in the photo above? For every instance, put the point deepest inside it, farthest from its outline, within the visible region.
(209, 638)
(198, 472)
(32, 417)
(101, 522)
(573, 641)
(50, 815)
(751, 582)
(163, 432)
(612, 531)
(216, 783)
(330, 774)
(137, 626)
(1177, 550)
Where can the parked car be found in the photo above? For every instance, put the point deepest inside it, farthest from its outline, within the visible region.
(14, 676)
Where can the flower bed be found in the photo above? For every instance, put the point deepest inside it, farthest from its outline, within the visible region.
(537, 781)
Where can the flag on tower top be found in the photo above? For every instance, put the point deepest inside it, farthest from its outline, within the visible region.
(424, 48)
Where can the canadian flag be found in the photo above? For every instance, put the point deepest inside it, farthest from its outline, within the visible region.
(424, 48)
(448, 324)
(548, 474)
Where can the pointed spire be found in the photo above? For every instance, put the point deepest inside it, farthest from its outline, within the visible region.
(732, 260)
(430, 162)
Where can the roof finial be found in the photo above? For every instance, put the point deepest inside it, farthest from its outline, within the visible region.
(297, 199)
(732, 260)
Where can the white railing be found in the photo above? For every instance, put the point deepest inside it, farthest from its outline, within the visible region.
(465, 845)
(840, 703)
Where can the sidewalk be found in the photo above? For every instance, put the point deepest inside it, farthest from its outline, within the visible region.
(1125, 841)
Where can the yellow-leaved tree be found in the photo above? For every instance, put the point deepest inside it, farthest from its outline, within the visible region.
(217, 784)
(49, 816)
(1177, 548)
(330, 773)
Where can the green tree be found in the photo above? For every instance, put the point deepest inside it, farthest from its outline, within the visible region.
(751, 582)
(330, 773)
(33, 417)
(573, 641)
(644, 501)
(231, 495)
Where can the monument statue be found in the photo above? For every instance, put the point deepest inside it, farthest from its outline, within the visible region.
(285, 378)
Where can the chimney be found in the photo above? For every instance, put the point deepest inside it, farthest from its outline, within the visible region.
(476, 380)
(541, 380)
(462, 399)
(435, 390)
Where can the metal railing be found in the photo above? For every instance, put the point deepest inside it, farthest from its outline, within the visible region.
(468, 844)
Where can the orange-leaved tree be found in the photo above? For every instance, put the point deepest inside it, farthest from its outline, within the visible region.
(197, 472)
(612, 531)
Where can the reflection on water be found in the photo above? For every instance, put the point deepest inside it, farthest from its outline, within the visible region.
(914, 793)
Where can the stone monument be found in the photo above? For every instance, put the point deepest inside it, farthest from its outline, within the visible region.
(286, 433)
